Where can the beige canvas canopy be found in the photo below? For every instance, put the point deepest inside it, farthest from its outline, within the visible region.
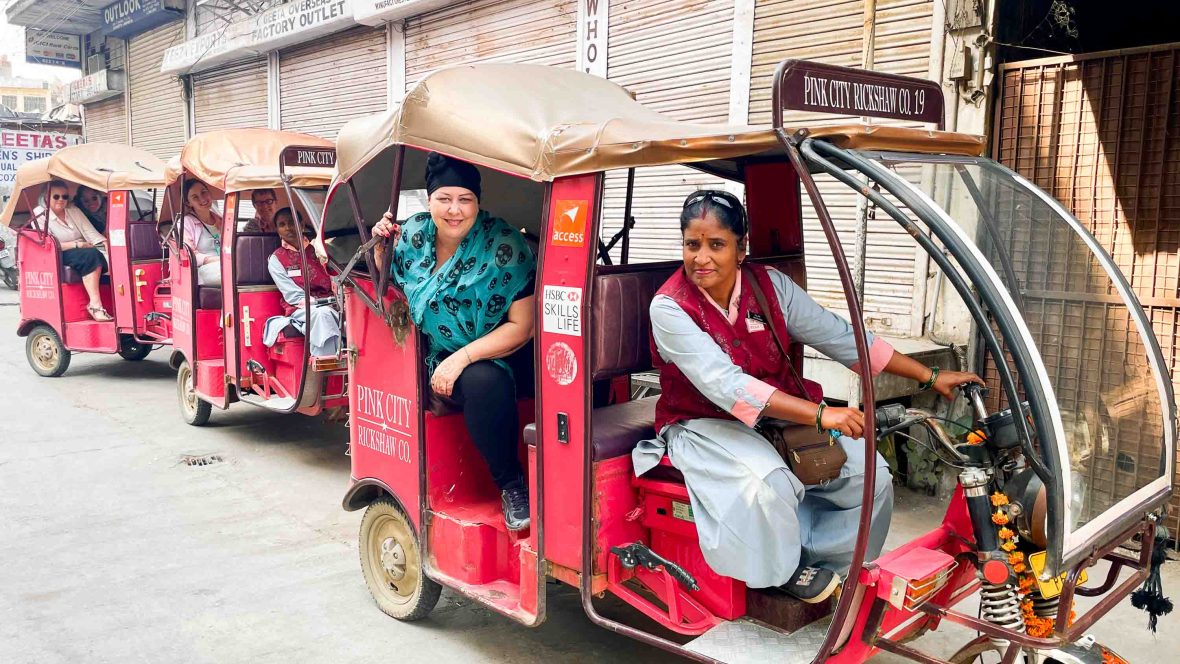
(104, 167)
(546, 122)
(243, 159)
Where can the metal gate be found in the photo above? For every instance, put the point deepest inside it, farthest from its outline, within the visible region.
(231, 96)
(1101, 133)
(329, 81)
(157, 99)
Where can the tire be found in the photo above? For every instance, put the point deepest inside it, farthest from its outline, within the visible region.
(45, 352)
(391, 562)
(131, 350)
(193, 409)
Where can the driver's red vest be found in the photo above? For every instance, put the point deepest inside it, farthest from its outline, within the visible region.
(756, 353)
(321, 283)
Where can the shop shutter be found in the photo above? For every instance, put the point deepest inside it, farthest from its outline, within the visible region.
(325, 83)
(832, 31)
(675, 58)
(106, 121)
(500, 30)
(157, 99)
(230, 97)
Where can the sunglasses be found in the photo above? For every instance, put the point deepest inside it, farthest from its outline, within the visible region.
(60, 197)
(716, 198)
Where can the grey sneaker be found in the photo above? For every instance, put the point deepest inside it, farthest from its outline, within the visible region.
(812, 584)
(515, 501)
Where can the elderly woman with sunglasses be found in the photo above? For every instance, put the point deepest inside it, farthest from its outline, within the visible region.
(721, 371)
(83, 247)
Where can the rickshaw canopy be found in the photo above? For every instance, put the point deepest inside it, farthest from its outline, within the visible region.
(243, 159)
(545, 122)
(104, 167)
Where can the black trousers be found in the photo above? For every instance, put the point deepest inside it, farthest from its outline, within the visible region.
(488, 394)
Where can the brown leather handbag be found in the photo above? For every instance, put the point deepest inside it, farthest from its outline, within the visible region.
(814, 457)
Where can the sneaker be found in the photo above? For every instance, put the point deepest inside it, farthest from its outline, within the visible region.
(515, 501)
(812, 584)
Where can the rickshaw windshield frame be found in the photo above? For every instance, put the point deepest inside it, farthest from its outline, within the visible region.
(1069, 543)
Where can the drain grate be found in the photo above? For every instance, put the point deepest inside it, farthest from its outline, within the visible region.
(201, 459)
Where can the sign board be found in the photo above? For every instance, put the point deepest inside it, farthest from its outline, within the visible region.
(279, 26)
(376, 12)
(127, 18)
(819, 88)
(100, 85)
(18, 147)
(309, 157)
(562, 310)
(44, 47)
(593, 17)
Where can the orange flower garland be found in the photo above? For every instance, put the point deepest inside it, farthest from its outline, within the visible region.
(1038, 626)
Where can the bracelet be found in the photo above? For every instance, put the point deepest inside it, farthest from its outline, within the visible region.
(930, 383)
(819, 414)
(467, 354)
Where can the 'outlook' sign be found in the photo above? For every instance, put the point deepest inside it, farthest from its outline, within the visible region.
(126, 18)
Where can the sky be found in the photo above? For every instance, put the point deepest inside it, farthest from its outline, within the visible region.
(12, 44)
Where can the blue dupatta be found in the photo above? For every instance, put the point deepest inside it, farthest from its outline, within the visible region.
(469, 295)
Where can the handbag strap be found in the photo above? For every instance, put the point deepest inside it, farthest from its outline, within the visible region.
(750, 278)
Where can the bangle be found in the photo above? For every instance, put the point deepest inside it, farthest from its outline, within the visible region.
(930, 383)
(467, 354)
(819, 414)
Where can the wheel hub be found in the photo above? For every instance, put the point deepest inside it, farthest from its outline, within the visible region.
(45, 351)
(393, 559)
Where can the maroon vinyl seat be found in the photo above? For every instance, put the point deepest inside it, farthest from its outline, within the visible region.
(617, 429)
(143, 241)
(70, 276)
(208, 297)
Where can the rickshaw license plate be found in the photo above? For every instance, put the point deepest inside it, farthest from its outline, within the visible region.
(682, 511)
(1051, 588)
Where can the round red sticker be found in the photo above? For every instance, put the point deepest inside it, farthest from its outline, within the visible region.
(561, 363)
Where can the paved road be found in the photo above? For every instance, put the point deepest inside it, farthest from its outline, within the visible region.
(114, 551)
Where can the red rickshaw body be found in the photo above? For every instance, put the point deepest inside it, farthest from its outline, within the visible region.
(412, 457)
(134, 289)
(219, 349)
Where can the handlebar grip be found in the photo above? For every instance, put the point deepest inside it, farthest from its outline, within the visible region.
(889, 415)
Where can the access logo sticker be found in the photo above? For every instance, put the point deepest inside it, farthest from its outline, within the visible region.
(569, 226)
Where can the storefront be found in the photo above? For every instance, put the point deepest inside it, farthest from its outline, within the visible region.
(101, 94)
(329, 81)
(156, 99)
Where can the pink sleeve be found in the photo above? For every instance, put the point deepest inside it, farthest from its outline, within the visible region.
(744, 409)
(879, 355)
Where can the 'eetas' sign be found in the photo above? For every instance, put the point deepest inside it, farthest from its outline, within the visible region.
(820, 88)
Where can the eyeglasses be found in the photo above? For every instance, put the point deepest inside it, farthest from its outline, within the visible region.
(265, 201)
(715, 197)
(60, 197)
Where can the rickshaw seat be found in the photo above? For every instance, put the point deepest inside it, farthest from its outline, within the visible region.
(208, 297)
(70, 276)
(617, 429)
(250, 257)
(143, 242)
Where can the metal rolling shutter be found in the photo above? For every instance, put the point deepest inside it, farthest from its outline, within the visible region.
(325, 83)
(230, 97)
(157, 99)
(832, 31)
(106, 121)
(503, 30)
(676, 60)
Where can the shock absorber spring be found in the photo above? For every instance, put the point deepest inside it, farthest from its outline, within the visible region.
(999, 605)
(1045, 608)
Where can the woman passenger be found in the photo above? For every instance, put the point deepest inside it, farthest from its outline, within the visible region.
(720, 372)
(202, 232)
(286, 268)
(93, 204)
(468, 278)
(83, 247)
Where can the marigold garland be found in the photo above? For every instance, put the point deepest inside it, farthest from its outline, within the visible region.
(999, 499)
(1037, 626)
(1000, 518)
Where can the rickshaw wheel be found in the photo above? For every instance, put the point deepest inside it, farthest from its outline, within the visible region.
(976, 649)
(193, 409)
(392, 563)
(131, 350)
(47, 355)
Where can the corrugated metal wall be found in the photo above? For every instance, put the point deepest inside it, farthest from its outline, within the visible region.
(325, 83)
(832, 31)
(106, 121)
(675, 57)
(230, 96)
(504, 30)
(157, 99)
(1101, 133)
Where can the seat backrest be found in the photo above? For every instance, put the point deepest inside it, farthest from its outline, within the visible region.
(619, 315)
(250, 256)
(143, 241)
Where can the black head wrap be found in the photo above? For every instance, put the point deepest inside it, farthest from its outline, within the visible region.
(442, 171)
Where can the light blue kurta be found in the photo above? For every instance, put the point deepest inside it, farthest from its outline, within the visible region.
(325, 320)
(756, 521)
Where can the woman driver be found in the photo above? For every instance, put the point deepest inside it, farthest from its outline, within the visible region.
(720, 372)
(468, 278)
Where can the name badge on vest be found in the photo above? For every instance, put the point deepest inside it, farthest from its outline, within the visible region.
(294, 271)
(755, 322)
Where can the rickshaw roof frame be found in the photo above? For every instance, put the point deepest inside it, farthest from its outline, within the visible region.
(234, 160)
(541, 123)
(104, 167)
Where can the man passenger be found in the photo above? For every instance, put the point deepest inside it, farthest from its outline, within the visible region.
(264, 201)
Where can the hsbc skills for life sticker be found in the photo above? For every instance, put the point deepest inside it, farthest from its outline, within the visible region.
(562, 310)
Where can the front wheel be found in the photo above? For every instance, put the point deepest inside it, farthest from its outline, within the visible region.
(46, 353)
(392, 563)
(131, 350)
(193, 408)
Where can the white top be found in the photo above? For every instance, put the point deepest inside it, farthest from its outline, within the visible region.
(75, 226)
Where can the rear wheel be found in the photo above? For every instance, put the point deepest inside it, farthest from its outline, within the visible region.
(46, 354)
(391, 561)
(131, 350)
(193, 409)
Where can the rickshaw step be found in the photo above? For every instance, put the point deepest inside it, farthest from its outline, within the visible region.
(740, 641)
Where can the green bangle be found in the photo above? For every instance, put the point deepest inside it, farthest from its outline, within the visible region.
(930, 383)
(819, 414)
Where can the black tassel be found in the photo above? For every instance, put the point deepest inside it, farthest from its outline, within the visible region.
(1150, 596)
